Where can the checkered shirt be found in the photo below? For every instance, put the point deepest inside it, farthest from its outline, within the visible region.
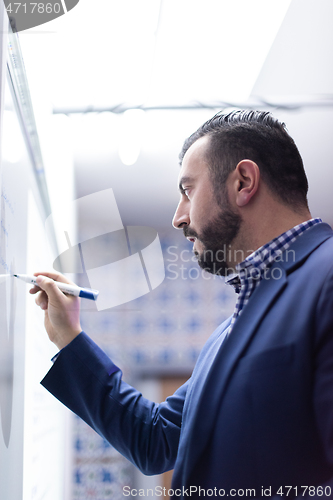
(252, 269)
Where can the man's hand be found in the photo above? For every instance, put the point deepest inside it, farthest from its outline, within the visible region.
(62, 312)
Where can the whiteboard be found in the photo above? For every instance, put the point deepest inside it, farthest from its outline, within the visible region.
(32, 423)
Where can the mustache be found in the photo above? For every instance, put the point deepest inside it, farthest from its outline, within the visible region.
(189, 232)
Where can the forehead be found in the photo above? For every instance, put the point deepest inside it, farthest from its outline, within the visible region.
(195, 160)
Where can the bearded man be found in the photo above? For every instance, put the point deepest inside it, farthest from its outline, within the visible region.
(256, 416)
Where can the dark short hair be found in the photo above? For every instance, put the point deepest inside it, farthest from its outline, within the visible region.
(256, 136)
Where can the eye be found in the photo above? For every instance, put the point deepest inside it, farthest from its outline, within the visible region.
(186, 192)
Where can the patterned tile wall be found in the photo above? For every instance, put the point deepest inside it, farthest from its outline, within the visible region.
(99, 471)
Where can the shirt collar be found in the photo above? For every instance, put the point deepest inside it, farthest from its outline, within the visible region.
(253, 266)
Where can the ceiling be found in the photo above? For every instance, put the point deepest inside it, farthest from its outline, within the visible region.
(169, 55)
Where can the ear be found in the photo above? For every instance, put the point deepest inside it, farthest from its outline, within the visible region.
(248, 176)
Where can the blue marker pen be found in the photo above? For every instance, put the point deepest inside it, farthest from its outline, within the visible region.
(85, 293)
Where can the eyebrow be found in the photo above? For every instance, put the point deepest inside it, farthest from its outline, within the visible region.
(182, 181)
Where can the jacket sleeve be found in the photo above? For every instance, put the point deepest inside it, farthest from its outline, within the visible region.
(85, 380)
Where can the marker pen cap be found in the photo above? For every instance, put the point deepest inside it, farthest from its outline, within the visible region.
(88, 293)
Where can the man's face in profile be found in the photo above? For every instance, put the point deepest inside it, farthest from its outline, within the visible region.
(210, 226)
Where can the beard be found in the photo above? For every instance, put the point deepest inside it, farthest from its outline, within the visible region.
(216, 237)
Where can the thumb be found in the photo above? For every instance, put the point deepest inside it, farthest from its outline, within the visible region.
(49, 286)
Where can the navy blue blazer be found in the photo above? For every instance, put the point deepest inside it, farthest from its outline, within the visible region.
(257, 411)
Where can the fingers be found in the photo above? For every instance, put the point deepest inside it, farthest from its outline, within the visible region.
(34, 289)
(52, 275)
(42, 300)
(55, 276)
(49, 286)
(62, 311)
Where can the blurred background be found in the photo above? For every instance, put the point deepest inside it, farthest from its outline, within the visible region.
(116, 88)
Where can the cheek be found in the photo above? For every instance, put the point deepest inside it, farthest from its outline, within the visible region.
(197, 217)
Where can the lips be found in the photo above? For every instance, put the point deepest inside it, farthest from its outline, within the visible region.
(190, 234)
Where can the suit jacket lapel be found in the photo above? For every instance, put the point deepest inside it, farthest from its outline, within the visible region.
(208, 401)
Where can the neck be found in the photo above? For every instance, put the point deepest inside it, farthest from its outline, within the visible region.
(258, 230)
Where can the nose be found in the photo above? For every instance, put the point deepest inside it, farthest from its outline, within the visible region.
(181, 216)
